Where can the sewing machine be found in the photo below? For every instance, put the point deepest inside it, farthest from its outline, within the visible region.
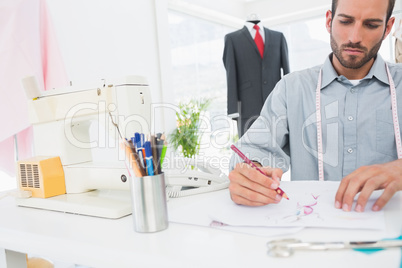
(65, 174)
(62, 122)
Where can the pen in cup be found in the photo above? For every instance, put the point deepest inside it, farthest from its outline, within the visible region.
(138, 147)
(248, 161)
(148, 158)
(133, 159)
(142, 141)
(155, 156)
(162, 147)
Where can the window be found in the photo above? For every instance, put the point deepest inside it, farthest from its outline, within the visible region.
(198, 72)
(308, 42)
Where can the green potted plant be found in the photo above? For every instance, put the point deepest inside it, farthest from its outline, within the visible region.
(187, 135)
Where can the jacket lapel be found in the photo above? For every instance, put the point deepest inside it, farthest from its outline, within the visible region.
(266, 41)
(247, 34)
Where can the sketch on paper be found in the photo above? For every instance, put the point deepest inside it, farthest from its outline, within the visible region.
(311, 204)
(303, 209)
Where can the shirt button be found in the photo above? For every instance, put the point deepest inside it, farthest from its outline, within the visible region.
(350, 118)
(350, 150)
(265, 82)
(353, 90)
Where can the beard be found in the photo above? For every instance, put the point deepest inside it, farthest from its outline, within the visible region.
(351, 61)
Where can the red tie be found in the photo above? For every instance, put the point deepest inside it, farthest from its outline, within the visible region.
(258, 40)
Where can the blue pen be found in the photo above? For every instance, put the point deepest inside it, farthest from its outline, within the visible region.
(142, 142)
(148, 157)
(136, 138)
(137, 143)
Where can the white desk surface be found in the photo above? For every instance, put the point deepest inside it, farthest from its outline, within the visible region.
(98, 242)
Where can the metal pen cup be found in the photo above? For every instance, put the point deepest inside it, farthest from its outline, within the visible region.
(148, 196)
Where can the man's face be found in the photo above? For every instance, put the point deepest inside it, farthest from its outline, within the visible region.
(357, 31)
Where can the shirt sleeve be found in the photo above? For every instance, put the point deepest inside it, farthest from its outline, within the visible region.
(267, 140)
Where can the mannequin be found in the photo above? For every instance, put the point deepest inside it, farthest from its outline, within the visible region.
(250, 76)
(253, 18)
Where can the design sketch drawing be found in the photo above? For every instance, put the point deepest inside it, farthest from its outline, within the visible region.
(303, 210)
(311, 204)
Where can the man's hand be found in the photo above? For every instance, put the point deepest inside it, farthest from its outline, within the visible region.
(251, 188)
(365, 180)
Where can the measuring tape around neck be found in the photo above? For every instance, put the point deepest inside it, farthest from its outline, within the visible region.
(394, 108)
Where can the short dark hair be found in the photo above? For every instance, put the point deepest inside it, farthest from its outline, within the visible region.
(391, 4)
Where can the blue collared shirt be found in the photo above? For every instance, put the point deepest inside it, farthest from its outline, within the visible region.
(357, 125)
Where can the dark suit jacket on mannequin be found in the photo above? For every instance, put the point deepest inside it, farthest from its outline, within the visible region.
(250, 78)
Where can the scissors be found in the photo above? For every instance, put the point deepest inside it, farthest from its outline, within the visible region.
(286, 247)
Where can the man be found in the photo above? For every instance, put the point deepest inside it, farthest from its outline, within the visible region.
(354, 138)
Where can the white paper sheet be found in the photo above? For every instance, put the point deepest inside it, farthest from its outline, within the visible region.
(197, 213)
(311, 204)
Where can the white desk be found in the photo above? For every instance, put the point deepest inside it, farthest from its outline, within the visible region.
(97, 242)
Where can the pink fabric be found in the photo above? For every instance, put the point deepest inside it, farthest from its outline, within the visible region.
(24, 143)
(27, 47)
(7, 156)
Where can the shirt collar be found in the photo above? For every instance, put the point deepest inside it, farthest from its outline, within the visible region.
(377, 70)
(328, 72)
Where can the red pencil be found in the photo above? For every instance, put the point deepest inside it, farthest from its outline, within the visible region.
(248, 161)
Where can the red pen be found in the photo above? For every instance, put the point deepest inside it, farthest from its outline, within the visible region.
(248, 161)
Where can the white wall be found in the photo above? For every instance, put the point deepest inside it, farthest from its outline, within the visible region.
(271, 12)
(276, 12)
(226, 12)
(110, 39)
(234, 12)
(223, 9)
(93, 34)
